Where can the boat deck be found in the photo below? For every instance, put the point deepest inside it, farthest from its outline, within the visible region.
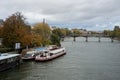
(6, 56)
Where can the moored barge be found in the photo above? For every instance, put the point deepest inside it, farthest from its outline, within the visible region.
(8, 60)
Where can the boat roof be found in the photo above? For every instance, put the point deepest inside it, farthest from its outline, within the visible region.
(51, 46)
(7, 55)
(31, 52)
(40, 48)
(57, 50)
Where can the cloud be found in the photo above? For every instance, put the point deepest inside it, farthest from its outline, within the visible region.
(69, 13)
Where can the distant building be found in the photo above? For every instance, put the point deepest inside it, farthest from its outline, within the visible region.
(116, 28)
(83, 32)
(53, 27)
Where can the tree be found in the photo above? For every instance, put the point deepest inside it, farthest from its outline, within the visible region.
(117, 32)
(1, 28)
(68, 32)
(108, 33)
(76, 32)
(37, 40)
(14, 30)
(27, 40)
(43, 30)
(57, 32)
(55, 39)
(60, 32)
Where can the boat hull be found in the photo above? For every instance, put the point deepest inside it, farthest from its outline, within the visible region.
(43, 59)
(8, 61)
(28, 59)
(9, 65)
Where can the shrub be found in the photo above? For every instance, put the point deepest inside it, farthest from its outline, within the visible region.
(4, 50)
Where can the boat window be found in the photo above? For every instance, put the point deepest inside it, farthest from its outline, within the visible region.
(46, 52)
(9, 60)
(28, 55)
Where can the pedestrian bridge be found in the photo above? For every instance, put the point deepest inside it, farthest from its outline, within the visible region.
(89, 39)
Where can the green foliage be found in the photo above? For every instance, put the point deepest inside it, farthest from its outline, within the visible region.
(57, 32)
(68, 32)
(108, 33)
(116, 32)
(4, 50)
(63, 32)
(55, 39)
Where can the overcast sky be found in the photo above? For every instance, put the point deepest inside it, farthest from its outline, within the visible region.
(88, 14)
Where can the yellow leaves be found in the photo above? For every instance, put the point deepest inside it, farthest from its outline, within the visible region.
(26, 40)
(41, 31)
(37, 40)
(15, 30)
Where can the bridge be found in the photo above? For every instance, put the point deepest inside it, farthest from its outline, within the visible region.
(99, 36)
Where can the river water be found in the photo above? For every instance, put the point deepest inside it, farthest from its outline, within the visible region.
(84, 61)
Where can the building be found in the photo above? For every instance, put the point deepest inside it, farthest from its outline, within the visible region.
(116, 28)
(83, 32)
(53, 27)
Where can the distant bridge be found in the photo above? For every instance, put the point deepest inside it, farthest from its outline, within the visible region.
(99, 36)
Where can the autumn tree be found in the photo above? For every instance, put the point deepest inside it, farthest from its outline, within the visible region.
(1, 28)
(37, 40)
(44, 31)
(15, 30)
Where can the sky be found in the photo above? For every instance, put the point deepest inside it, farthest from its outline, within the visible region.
(86, 14)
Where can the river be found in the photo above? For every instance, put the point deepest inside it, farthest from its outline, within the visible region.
(90, 60)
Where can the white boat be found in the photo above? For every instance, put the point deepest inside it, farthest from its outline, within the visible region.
(50, 54)
(8, 60)
(30, 55)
